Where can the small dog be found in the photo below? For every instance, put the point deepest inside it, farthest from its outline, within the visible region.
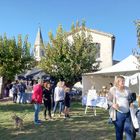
(18, 122)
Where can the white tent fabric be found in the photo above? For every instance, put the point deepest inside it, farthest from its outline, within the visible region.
(128, 66)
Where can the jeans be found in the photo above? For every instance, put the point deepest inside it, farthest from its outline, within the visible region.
(37, 110)
(60, 106)
(123, 123)
(21, 97)
(14, 97)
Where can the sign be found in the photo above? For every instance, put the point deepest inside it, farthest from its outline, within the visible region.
(100, 101)
(91, 98)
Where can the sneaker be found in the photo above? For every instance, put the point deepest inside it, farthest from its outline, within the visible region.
(62, 113)
(49, 118)
(37, 123)
(53, 115)
(68, 116)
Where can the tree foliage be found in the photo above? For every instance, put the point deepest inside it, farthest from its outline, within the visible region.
(68, 55)
(138, 31)
(14, 56)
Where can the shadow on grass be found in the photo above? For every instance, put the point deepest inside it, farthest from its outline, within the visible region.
(14, 107)
(61, 129)
(80, 126)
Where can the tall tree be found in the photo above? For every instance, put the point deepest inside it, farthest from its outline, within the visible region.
(14, 57)
(136, 50)
(138, 31)
(68, 55)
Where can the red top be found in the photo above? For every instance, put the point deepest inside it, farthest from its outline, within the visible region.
(37, 94)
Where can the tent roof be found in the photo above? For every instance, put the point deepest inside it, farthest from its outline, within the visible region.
(128, 66)
(32, 72)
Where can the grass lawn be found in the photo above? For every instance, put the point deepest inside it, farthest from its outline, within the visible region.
(78, 127)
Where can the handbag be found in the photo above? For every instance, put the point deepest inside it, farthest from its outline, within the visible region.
(138, 118)
(112, 111)
(134, 118)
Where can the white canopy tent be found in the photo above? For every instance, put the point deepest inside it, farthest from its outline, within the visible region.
(127, 67)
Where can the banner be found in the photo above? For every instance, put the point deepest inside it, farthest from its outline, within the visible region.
(102, 102)
(99, 102)
(134, 79)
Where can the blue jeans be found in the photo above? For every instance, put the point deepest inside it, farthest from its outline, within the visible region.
(22, 97)
(60, 106)
(123, 123)
(37, 110)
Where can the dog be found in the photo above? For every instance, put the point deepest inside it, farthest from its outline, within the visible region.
(18, 122)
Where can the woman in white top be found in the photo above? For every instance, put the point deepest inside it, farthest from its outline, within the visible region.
(119, 109)
(58, 97)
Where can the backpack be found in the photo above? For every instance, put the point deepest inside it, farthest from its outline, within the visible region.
(21, 88)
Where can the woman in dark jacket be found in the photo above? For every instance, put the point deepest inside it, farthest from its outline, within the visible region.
(67, 102)
(47, 99)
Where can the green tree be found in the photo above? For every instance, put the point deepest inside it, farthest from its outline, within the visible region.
(138, 31)
(14, 57)
(135, 51)
(68, 55)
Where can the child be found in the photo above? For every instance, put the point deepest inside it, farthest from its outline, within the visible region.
(67, 102)
(132, 98)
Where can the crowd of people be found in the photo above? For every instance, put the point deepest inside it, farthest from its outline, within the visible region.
(121, 101)
(42, 92)
(18, 89)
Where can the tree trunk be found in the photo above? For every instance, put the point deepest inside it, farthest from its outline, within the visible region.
(2, 86)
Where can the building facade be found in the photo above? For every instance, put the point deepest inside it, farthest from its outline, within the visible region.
(105, 45)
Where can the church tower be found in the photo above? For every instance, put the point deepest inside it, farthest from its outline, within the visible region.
(38, 46)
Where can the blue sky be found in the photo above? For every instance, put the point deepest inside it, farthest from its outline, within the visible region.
(113, 16)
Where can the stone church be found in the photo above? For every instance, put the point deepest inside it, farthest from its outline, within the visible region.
(105, 43)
